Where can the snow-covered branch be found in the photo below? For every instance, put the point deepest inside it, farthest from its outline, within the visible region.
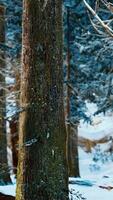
(105, 26)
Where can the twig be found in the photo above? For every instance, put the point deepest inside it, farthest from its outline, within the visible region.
(106, 27)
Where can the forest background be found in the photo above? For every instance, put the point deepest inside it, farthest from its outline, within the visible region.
(84, 79)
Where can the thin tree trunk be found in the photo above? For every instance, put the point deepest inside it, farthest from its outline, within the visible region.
(4, 171)
(73, 159)
(42, 168)
(13, 124)
(72, 135)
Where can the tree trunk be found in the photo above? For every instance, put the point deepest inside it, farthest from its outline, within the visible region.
(72, 134)
(42, 168)
(13, 125)
(73, 161)
(4, 171)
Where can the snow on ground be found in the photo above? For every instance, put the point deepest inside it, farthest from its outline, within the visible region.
(8, 189)
(92, 193)
(94, 189)
(101, 126)
(96, 180)
(96, 168)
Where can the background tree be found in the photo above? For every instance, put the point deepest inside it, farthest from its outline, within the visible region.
(89, 80)
(12, 50)
(42, 134)
(72, 132)
(4, 170)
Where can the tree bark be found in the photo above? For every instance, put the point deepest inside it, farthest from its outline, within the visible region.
(73, 160)
(13, 138)
(42, 169)
(72, 134)
(4, 171)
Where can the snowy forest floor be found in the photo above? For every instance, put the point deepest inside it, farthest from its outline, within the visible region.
(95, 160)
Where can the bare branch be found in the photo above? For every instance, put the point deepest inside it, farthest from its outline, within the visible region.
(106, 27)
(94, 26)
(108, 5)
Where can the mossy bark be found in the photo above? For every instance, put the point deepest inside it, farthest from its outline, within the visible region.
(4, 171)
(42, 168)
